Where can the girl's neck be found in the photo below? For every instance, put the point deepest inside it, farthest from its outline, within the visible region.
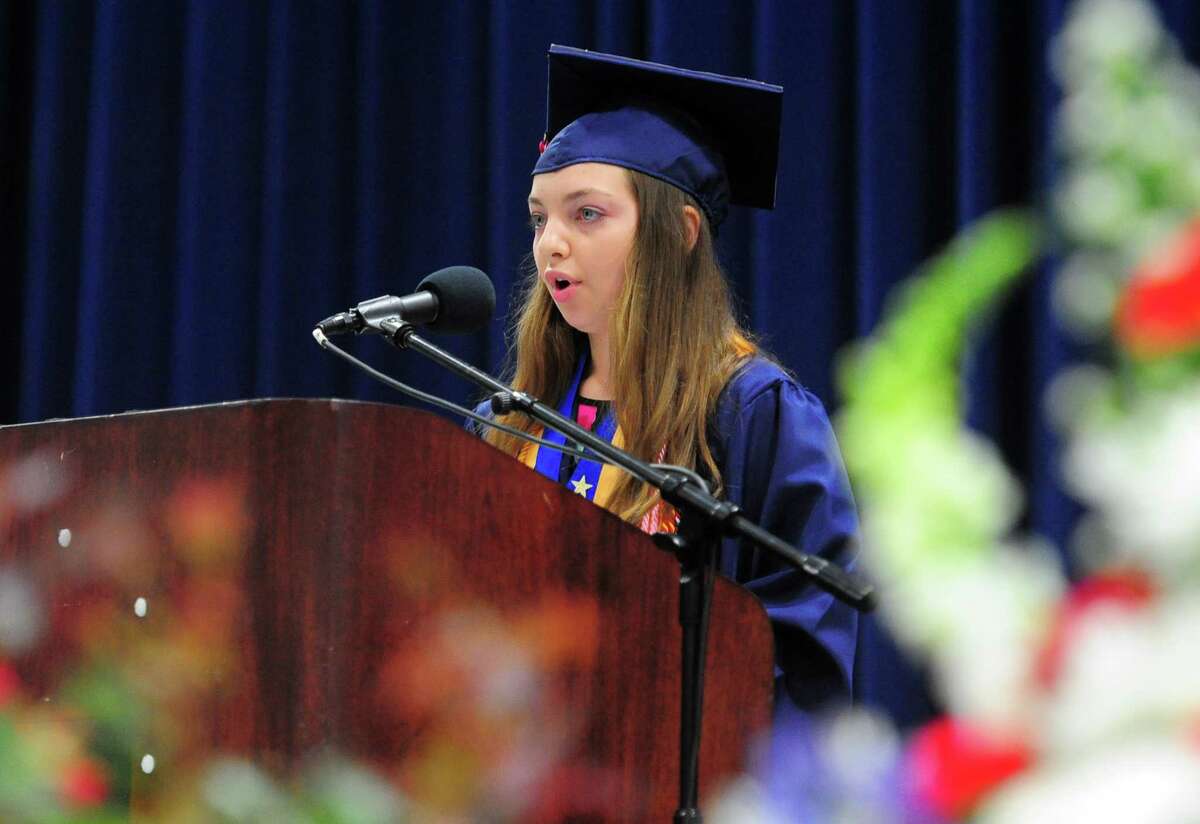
(595, 383)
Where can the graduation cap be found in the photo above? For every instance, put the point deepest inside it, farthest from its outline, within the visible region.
(714, 137)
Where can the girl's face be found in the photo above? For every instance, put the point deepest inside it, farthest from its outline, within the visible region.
(584, 219)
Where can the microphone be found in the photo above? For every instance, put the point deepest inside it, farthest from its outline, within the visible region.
(455, 299)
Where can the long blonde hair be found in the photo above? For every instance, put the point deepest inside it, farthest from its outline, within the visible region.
(675, 344)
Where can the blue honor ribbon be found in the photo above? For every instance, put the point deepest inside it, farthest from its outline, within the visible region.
(586, 476)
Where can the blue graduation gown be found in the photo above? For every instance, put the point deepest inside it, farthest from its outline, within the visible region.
(780, 463)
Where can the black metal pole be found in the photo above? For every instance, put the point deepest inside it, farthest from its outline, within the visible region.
(696, 553)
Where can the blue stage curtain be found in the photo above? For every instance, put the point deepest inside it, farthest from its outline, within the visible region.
(188, 186)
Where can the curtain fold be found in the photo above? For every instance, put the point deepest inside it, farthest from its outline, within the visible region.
(219, 230)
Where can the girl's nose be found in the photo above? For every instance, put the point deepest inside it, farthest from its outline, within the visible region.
(552, 242)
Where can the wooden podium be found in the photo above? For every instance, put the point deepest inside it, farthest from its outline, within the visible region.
(278, 578)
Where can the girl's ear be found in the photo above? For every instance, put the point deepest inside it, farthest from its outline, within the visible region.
(691, 225)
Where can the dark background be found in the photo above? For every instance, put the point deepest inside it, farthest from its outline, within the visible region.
(185, 188)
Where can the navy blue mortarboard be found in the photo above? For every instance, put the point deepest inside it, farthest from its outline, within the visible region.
(714, 137)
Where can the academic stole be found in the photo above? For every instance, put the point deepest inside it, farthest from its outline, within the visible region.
(592, 479)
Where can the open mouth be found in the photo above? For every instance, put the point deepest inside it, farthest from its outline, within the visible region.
(560, 286)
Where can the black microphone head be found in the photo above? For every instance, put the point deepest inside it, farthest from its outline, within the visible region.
(466, 298)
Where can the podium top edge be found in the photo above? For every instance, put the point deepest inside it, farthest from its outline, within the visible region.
(236, 404)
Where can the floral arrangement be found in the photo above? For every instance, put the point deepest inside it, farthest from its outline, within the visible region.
(126, 669)
(1062, 701)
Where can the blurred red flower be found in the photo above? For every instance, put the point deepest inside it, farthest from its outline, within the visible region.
(84, 784)
(1159, 312)
(952, 766)
(10, 684)
(1130, 589)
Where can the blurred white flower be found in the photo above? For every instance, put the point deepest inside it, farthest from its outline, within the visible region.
(22, 617)
(1096, 204)
(353, 794)
(1089, 123)
(862, 744)
(36, 481)
(1077, 395)
(239, 791)
(1100, 33)
(1150, 780)
(1125, 670)
(994, 615)
(1164, 131)
(1084, 294)
(742, 801)
(1142, 474)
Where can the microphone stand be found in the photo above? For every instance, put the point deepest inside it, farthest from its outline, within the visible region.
(703, 518)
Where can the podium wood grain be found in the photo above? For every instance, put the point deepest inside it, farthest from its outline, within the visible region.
(345, 499)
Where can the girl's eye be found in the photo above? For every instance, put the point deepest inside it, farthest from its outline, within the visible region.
(588, 214)
(536, 221)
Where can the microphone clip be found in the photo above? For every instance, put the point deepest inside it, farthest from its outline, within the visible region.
(506, 402)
